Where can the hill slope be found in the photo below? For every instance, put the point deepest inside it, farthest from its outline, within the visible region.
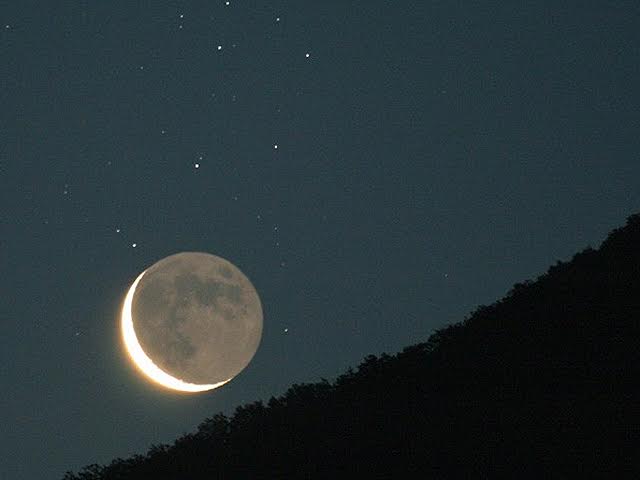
(543, 383)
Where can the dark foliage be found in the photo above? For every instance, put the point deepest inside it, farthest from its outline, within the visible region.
(543, 383)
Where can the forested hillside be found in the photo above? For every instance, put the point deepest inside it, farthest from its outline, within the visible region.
(543, 383)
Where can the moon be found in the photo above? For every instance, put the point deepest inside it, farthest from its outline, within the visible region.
(191, 322)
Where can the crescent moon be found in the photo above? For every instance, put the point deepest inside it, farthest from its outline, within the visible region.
(142, 360)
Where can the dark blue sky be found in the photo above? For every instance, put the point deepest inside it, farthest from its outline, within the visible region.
(429, 155)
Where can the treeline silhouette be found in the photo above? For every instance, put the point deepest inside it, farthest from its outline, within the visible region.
(543, 383)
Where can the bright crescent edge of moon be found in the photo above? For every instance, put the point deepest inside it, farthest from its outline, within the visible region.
(141, 359)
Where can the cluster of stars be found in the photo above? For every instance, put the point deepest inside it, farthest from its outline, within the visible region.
(197, 163)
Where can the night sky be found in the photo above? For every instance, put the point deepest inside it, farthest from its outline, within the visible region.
(377, 169)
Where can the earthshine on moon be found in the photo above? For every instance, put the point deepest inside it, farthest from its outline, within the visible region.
(191, 322)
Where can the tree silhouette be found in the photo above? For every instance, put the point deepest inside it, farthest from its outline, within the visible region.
(541, 384)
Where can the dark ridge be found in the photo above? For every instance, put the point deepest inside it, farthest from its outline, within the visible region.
(541, 384)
